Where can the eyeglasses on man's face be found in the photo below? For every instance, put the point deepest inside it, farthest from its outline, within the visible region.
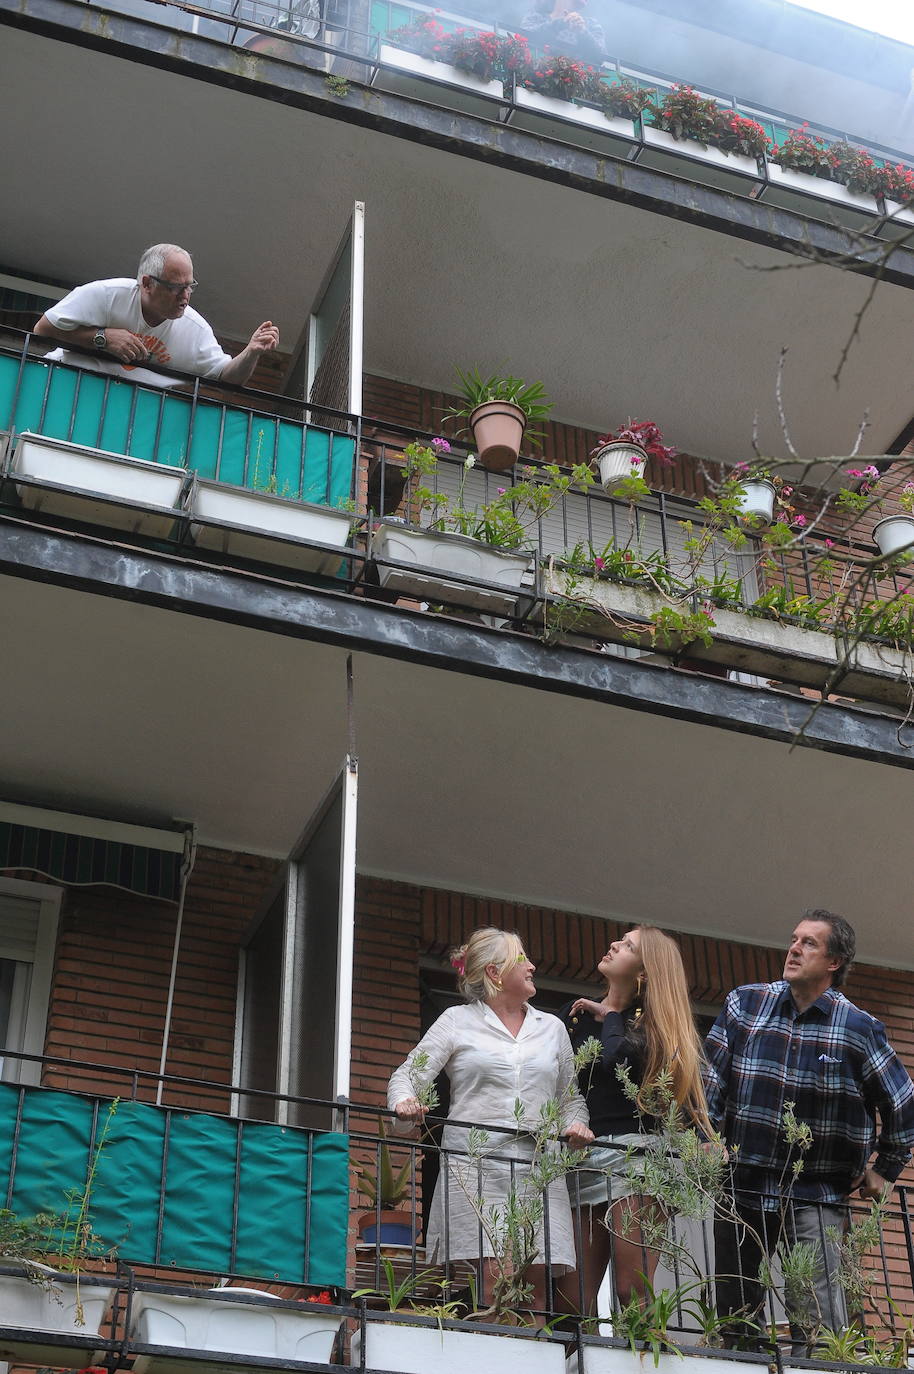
(176, 287)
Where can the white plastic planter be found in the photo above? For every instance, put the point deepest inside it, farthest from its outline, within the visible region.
(791, 188)
(406, 73)
(894, 534)
(255, 525)
(669, 154)
(223, 1321)
(550, 109)
(618, 462)
(607, 1359)
(431, 1350)
(756, 499)
(426, 559)
(39, 1310)
(147, 494)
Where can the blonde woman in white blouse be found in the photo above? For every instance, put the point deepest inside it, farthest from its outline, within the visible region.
(496, 1050)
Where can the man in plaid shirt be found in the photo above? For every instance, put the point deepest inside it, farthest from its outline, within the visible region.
(801, 1041)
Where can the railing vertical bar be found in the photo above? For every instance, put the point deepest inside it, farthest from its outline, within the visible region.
(17, 390)
(131, 418)
(236, 1197)
(193, 415)
(14, 1146)
(163, 1179)
(309, 1174)
(302, 450)
(157, 437)
(223, 409)
(103, 413)
(247, 450)
(77, 389)
(45, 398)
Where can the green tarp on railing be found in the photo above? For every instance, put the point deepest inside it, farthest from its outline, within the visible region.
(241, 447)
(165, 1184)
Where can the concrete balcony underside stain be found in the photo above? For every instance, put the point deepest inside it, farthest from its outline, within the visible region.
(352, 623)
(465, 134)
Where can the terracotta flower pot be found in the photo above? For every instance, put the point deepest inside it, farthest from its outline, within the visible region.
(498, 428)
(276, 47)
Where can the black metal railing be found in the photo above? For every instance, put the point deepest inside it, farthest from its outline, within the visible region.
(339, 36)
(559, 581)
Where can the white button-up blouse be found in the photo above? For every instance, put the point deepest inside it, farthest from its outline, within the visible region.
(490, 1069)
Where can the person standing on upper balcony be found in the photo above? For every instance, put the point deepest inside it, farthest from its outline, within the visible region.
(799, 1042)
(560, 26)
(150, 320)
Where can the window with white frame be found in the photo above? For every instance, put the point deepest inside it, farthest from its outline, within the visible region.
(29, 914)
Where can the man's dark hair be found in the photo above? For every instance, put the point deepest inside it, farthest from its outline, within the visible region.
(842, 942)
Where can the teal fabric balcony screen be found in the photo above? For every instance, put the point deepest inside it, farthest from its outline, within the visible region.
(292, 1188)
(242, 447)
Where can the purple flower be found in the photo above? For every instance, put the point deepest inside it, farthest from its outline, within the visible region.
(441, 445)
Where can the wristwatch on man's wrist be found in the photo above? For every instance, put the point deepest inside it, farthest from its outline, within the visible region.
(100, 339)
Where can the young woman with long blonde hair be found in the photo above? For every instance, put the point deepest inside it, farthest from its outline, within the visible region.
(645, 1022)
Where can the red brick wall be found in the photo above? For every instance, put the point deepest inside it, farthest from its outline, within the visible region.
(111, 977)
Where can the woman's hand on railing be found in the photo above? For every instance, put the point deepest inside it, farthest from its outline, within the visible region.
(411, 1109)
(578, 1135)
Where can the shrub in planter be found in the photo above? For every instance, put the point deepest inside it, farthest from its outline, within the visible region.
(562, 77)
(734, 133)
(619, 99)
(804, 152)
(488, 56)
(896, 182)
(854, 168)
(686, 114)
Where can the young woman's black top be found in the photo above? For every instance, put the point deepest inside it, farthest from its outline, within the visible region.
(611, 1112)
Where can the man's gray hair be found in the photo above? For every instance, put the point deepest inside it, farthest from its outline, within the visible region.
(152, 263)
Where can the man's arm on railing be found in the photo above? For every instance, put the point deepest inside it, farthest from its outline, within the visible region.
(120, 343)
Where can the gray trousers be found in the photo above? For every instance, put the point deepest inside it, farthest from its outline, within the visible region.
(737, 1263)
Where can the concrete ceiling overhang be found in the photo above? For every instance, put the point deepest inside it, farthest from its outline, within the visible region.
(620, 311)
(475, 784)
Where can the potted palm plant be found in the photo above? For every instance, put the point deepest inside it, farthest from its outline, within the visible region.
(500, 411)
(384, 1187)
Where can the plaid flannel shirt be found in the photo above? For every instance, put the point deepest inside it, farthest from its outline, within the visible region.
(834, 1063)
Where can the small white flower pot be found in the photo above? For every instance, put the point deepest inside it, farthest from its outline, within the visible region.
(406, 73)
(257, 525)
(426, 557)
(423, 1349)
(40, 1308)
(230, 1321)
(146, 495)
(672, 154)
(756, 499)
(894, 534)
(618, 462)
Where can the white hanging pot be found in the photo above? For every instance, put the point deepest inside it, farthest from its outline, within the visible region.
(756, 499)
(618, 462)
(894, 533)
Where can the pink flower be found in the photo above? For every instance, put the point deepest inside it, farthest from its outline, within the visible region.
(829, 543)
(800, 521)
(599, 564)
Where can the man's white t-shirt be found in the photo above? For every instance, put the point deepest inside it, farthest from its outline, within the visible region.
(186, 344)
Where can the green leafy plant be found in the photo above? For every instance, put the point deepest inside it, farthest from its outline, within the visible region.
(530, 397)
(379, 1182)
(621, 98)
(50, 1243)
(411, 1292)
(507, 520)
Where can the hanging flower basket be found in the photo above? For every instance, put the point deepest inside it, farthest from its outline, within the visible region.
(894, 534)
(618, 462)
(498, 429)
(756, 500)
